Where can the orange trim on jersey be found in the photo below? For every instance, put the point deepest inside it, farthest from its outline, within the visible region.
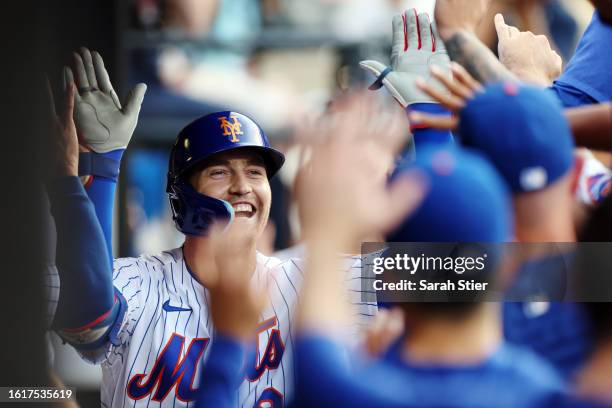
(93, 323)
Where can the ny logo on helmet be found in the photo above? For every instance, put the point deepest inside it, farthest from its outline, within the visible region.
(232, 129)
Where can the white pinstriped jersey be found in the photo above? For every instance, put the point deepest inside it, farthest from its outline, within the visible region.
(167, 329)
(51, 286)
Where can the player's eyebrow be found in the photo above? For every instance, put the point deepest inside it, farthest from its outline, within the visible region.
(252, 160)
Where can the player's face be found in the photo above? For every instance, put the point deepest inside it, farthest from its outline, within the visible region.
(238, 177)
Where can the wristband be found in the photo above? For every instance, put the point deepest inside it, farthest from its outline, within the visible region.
(95, 164)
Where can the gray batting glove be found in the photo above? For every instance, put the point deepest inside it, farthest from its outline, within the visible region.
(416, 48)
(103, 124)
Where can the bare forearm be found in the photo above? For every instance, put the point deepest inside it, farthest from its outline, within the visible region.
(467, 50)
(592, 126)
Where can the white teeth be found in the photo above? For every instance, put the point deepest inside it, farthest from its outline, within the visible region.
(243, 208)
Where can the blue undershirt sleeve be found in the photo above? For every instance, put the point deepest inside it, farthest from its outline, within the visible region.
(222, 373)
(87, 296)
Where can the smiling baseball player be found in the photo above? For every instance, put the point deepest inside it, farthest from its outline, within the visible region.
(156, 329)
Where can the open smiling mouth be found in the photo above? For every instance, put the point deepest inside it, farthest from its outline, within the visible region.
(245, 210)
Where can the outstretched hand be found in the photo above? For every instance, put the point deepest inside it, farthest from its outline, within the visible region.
(528, 56)
(102, 122)
(416, 47)
(342, 192)
(461, 88)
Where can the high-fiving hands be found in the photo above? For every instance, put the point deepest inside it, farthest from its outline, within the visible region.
(103, 123)
(416, 47)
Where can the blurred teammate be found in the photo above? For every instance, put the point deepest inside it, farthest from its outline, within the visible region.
(532, 149)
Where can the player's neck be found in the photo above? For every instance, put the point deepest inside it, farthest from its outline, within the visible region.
(451, 341)
(539, 221)
(199, 258)
(595, 380)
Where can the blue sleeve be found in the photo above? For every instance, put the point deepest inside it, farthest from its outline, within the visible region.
(588, 77)
(87, 295)
(101, 190)
(325, 379)
(222, 373)
(425, 135)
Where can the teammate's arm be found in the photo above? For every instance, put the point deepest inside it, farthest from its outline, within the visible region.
(592, 126)
(235, 307)
(105, 128)
(456, 21)
(340, 203)
(87, 305)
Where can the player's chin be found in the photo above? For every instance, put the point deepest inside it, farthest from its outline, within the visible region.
(248, 223)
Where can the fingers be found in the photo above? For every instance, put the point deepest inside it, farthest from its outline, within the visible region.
(134, 99)
(425, 32)
(79, 71)
(504, 31)
(501, 27)
(442, 122)
(399, 35)
(103, 79)
(89, 68)
(449, 101)
(68, 113)
(412, 29)
(455, 87)
(68, 81)
(461, 75)
(438, 44)
(50, 99)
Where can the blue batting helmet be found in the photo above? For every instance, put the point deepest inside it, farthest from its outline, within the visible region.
(211, 134)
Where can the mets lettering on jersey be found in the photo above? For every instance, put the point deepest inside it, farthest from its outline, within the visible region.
(167, 329)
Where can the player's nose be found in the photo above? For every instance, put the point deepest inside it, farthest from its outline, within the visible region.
(240, 185)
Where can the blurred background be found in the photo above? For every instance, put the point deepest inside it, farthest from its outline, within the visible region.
(277, 61)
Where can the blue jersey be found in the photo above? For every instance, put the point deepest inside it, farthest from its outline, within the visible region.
(511, 377)
(588, 76)
(559, 332)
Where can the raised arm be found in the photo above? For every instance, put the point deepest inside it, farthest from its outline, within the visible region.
(105, 128)
(87, 306)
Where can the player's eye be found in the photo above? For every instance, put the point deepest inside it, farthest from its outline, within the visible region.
(256, 172)
(217, 172)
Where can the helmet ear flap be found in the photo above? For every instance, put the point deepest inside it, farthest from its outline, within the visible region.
(193, 213)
